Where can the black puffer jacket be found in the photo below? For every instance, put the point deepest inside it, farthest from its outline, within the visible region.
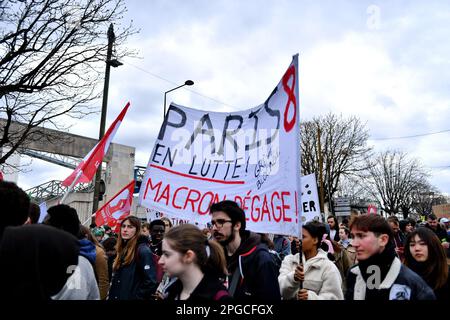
(256, 271)
(136, 281)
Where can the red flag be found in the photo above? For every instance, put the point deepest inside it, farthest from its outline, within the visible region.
(116, 209)
(88, 166)
(371, 209)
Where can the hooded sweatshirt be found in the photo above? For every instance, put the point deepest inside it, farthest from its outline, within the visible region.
(34, 260)
(82, 285)
(87, 250)
(253, 267)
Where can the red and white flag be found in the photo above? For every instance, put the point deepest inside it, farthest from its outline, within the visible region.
(88, 166)
(372, 209)
(116, 209)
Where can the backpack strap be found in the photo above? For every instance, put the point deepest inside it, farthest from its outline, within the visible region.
(234, 281)
(220, 294)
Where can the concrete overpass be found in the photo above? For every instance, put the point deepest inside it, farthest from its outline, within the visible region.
(117, 172)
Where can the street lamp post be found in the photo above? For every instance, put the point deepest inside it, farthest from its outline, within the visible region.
(186, 83)
(114, 63)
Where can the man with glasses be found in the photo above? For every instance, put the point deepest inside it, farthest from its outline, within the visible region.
(252, 272)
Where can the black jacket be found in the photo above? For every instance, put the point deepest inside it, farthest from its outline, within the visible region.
(35, 261)
(400, 283)
(443, 293)
(441, 233)
(256, 271)
(209, 289)
(136, 281)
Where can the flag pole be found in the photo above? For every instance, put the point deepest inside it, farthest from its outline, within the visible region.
(90, 218)
(77, 177)
(299, 187)
(300, 249)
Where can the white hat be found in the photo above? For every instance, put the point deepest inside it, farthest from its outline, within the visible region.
(444, 220)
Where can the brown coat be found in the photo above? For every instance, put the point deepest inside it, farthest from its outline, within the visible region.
(342, 262)
(101, 270)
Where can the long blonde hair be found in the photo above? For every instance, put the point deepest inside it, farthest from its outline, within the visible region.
(126, 249)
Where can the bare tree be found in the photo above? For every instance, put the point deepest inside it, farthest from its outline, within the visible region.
(425, 197)
(395, 180)
(343, 147)
(355, 189)
(52, 58)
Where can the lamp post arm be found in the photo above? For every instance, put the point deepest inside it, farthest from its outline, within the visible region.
(165, 94)
(175, 88)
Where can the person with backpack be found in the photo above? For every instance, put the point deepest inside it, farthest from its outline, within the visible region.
(134, 270)
(320, 276)
(197, 263)
(253, 273)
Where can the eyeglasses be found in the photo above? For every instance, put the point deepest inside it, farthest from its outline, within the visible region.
(219, 222)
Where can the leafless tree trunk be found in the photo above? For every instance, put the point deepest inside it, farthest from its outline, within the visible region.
(52, 58)
(343, 146)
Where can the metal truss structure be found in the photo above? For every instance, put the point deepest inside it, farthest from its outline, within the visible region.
(64, 161)
(54, 189)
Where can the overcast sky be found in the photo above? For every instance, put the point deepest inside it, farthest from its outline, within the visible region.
(387, 62)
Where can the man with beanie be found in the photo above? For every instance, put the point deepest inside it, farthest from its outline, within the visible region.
(82, 285)
(379, 274)
(253, 273)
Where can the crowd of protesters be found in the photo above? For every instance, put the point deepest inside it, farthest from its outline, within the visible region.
(365, 257)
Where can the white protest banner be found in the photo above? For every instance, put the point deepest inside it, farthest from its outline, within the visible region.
(154, 215)
(310, 199)
(251, 157)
